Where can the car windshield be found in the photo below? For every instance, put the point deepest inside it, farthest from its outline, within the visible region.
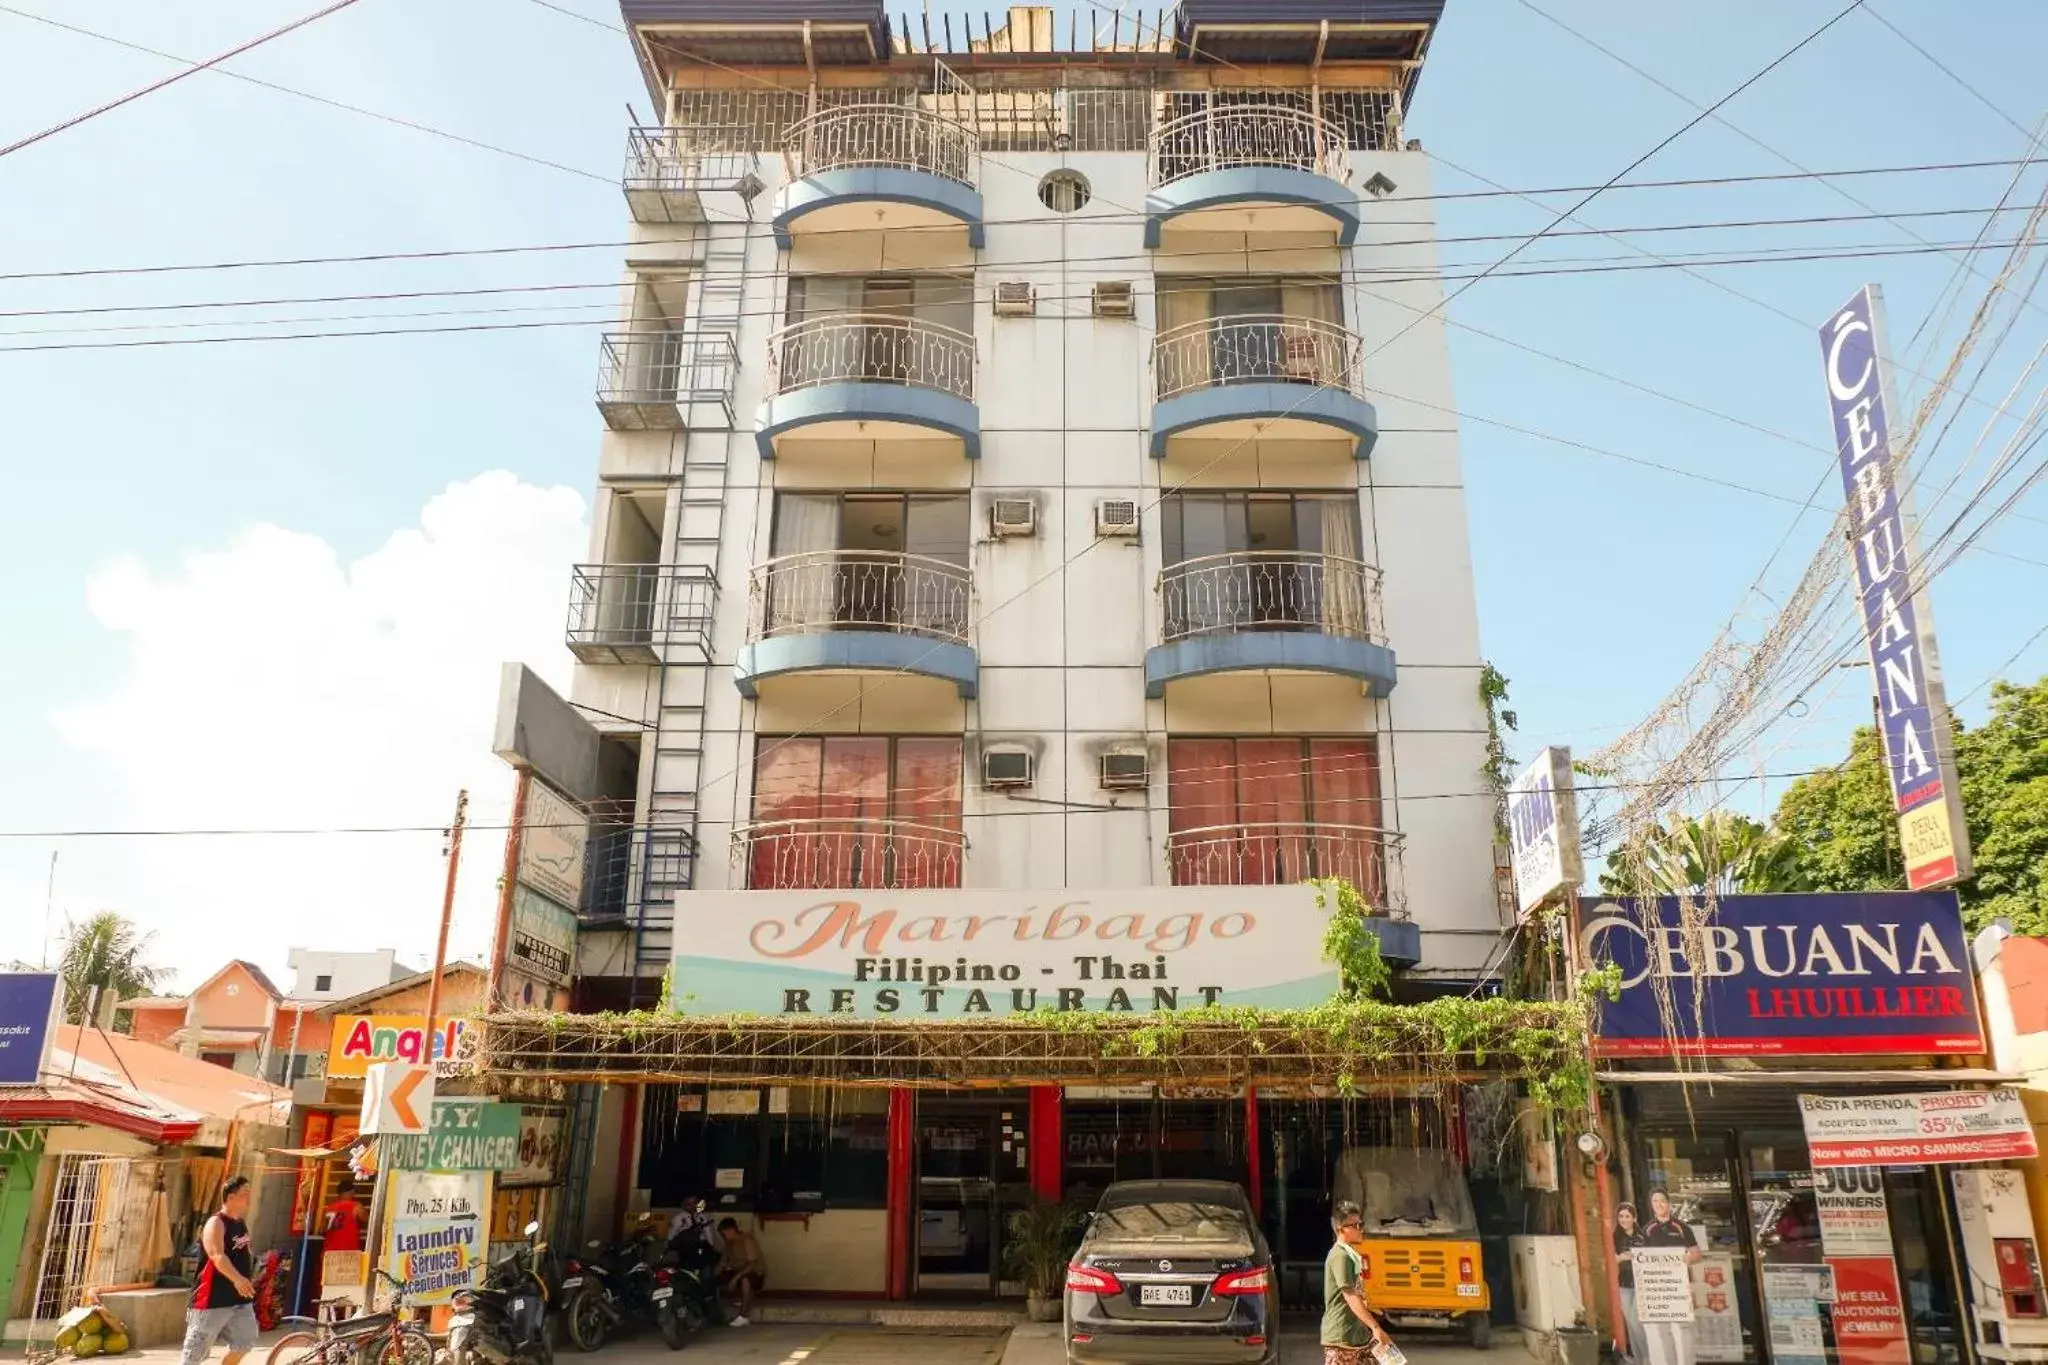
(1171, 1219)
(1406, 1192)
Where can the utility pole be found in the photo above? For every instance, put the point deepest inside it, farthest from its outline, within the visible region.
(501, 938)
(453, 853)
(1603, 1187)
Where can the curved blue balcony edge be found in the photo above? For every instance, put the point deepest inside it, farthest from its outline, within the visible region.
(1400, 940)
(881, 651)
(1251, 185)
(1267, 398)
(1234, 651)
(891, 184)
(864, 400)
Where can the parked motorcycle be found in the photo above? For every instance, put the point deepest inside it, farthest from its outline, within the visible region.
(505, 1322)
(613, 1292)
(686, 1294)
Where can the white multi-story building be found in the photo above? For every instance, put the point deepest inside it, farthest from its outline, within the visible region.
(1029, 466)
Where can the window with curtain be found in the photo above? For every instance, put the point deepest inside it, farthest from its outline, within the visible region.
(1270, 810)
(856, 811)
(1259, 329)
(841, 562)
(877, 348)
(1259, 560)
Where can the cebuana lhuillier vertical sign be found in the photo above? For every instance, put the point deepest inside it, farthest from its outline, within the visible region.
(1891, 588)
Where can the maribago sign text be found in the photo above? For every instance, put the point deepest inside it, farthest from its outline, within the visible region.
(964, 953)
(1788, 975)
(1942, 1126)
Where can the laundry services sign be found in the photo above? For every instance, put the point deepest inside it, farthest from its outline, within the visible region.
(959, 954)
(1787, 975)
(1891, 589)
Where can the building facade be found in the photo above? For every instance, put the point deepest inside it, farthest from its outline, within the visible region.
(1028, 479)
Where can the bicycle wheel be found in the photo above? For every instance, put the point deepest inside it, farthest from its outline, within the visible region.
(299, 1348)
(407, 1345)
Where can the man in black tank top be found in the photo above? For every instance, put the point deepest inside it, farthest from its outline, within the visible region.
(223, 1300)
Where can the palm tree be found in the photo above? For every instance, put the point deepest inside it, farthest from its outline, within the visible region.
(1722, 853)
(104, 951)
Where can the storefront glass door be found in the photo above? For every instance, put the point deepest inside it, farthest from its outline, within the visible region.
(971, 1172)
(1696, 1175)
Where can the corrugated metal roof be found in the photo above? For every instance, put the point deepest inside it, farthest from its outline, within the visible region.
(1311, 11)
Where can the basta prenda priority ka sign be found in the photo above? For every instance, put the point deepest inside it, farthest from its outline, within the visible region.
(1822, 974)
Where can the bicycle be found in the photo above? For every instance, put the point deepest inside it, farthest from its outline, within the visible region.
(366, 1339)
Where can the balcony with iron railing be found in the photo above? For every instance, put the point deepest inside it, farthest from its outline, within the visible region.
(859, 611)
(641, 613)
(872, 376)
(878, 167)
(652, 379)
(1292, 610)
(847, 853)
(1250, 168)
(1257, 375)
(1274, 853)
(669, 171)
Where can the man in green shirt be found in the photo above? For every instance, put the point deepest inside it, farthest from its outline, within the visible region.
(1349, 1328)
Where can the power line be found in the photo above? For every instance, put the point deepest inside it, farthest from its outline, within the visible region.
(172, 79)
(394, 119)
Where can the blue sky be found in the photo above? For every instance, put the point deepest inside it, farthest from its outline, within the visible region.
(171, 662)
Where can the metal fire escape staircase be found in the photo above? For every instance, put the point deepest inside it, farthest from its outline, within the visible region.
(668, 821)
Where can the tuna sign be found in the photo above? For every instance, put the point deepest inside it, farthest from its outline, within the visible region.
(1891, 588)
(1796, 975)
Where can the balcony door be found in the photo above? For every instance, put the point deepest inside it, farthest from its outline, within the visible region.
(1267, 811)
(1262, 561)
(856, 811)
(870, 560)
(882, 345)
(1257, 329)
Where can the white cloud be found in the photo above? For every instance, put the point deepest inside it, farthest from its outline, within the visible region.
(271, 684)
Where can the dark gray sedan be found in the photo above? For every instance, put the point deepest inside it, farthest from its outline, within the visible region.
(1172, 1272)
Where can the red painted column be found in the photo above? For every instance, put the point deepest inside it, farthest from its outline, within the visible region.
(1048, 1143)
(1253, 1156)
(902, 1163)
(629, 1147)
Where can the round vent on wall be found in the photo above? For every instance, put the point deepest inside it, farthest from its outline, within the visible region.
(1064, 191)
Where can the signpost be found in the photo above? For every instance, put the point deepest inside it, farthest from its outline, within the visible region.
(1812, 974)
(1543, 830)
(397, 1098)
(1891, 589)
(959, 954)
(29, 1005)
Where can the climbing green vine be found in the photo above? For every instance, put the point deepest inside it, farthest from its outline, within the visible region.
(1349, 942)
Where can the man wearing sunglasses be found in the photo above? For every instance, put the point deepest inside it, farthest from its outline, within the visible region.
(1350, 1331)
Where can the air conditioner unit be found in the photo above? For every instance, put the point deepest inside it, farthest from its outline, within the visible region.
(1001, 768)
(1015, 299)
(1114, 299)
(1116, 517)
(1126, 772)
(1013, 517)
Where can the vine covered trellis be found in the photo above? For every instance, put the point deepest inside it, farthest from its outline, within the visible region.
(1347, 1044)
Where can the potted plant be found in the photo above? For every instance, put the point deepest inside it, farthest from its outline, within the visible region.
(1040, 1240)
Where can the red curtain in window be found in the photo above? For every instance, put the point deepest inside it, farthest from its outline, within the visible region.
(785, 811)
(1272, 807)
(854, 799)
(1201, 794)
(1344, 785)
(927, 807)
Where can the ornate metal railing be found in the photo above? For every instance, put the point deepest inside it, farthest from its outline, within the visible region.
(846, 853)
(824, 590)
(686, 160)
(616, 610)
(1292, 851)
(1256, 349)
(881, 347)
(661, 367)
(1246, 135)
(881, 135)
(1270, 590)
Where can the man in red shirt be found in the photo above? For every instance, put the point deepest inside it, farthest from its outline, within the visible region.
(344, 1224)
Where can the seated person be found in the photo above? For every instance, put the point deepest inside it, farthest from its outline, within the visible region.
(741, 1268)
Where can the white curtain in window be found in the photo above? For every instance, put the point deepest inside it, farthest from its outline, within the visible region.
(801, 589)
(1344, 588)
(1184, 362)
